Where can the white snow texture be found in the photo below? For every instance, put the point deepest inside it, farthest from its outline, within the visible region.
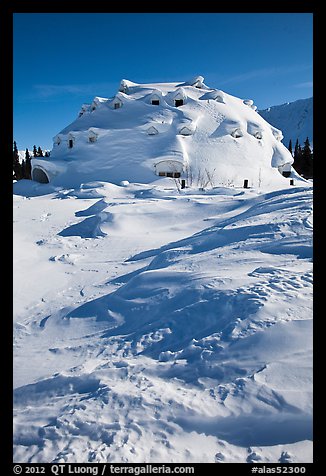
(204, 135)
(154, 323)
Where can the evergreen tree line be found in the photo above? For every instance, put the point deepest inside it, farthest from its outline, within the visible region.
(23, 170)
(303, 158)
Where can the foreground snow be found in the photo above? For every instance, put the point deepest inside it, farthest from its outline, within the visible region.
(153, 325)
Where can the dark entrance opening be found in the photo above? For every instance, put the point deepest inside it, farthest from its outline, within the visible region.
(178, 102)
(70, 143)
(245, 183)
(155, 102)
(40, 176)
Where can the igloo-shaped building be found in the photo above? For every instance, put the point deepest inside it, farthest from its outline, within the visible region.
(182, 130)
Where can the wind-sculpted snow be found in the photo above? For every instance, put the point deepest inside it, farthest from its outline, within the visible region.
(178, 327)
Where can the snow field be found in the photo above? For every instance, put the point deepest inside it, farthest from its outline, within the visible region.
(157, 325)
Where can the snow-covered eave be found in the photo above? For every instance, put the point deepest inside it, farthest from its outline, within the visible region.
(168, 164)
(178, 93)
(196, 82)
(153, 93)
(74, 134)
(69, 135)
(119, 97)
(50, 168)
(173, 154)
(277, 133)
(188, 126)
(94, 130)
(281, 155)
(122, 96)
(99, 99)
(127, 83)
(58, 136)
(213, 94)
(159, 126)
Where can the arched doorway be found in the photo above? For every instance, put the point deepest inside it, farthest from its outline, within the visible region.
(169, 168)
(40, 176)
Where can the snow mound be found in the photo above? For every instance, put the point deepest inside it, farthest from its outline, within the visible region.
(186, 131)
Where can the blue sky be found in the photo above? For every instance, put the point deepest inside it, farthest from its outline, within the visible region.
(62, 60)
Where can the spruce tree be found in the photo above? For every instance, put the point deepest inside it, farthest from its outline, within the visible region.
(39, 152)
(34, 151)
(16, 164)
(296, 147)
(23, 169)
(307, 159)
(28, 165)
(297, 164)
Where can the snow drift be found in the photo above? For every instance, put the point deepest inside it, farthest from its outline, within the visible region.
(160, 325)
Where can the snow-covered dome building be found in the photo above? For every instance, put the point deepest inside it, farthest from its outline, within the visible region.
(182, 130)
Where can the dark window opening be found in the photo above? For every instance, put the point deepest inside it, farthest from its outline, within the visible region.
(170, 174)
(286, 174)
(70, 143)
(155, 102)
(116, 105)
(178, 102)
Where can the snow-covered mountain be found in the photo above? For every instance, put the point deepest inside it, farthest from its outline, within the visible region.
(185, 130)
(295, 119)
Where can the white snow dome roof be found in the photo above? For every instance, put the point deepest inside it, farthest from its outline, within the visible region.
(209, 132)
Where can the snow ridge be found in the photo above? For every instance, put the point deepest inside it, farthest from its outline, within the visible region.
(167, 325)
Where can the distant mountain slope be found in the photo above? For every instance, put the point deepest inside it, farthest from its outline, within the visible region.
(295, 119)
